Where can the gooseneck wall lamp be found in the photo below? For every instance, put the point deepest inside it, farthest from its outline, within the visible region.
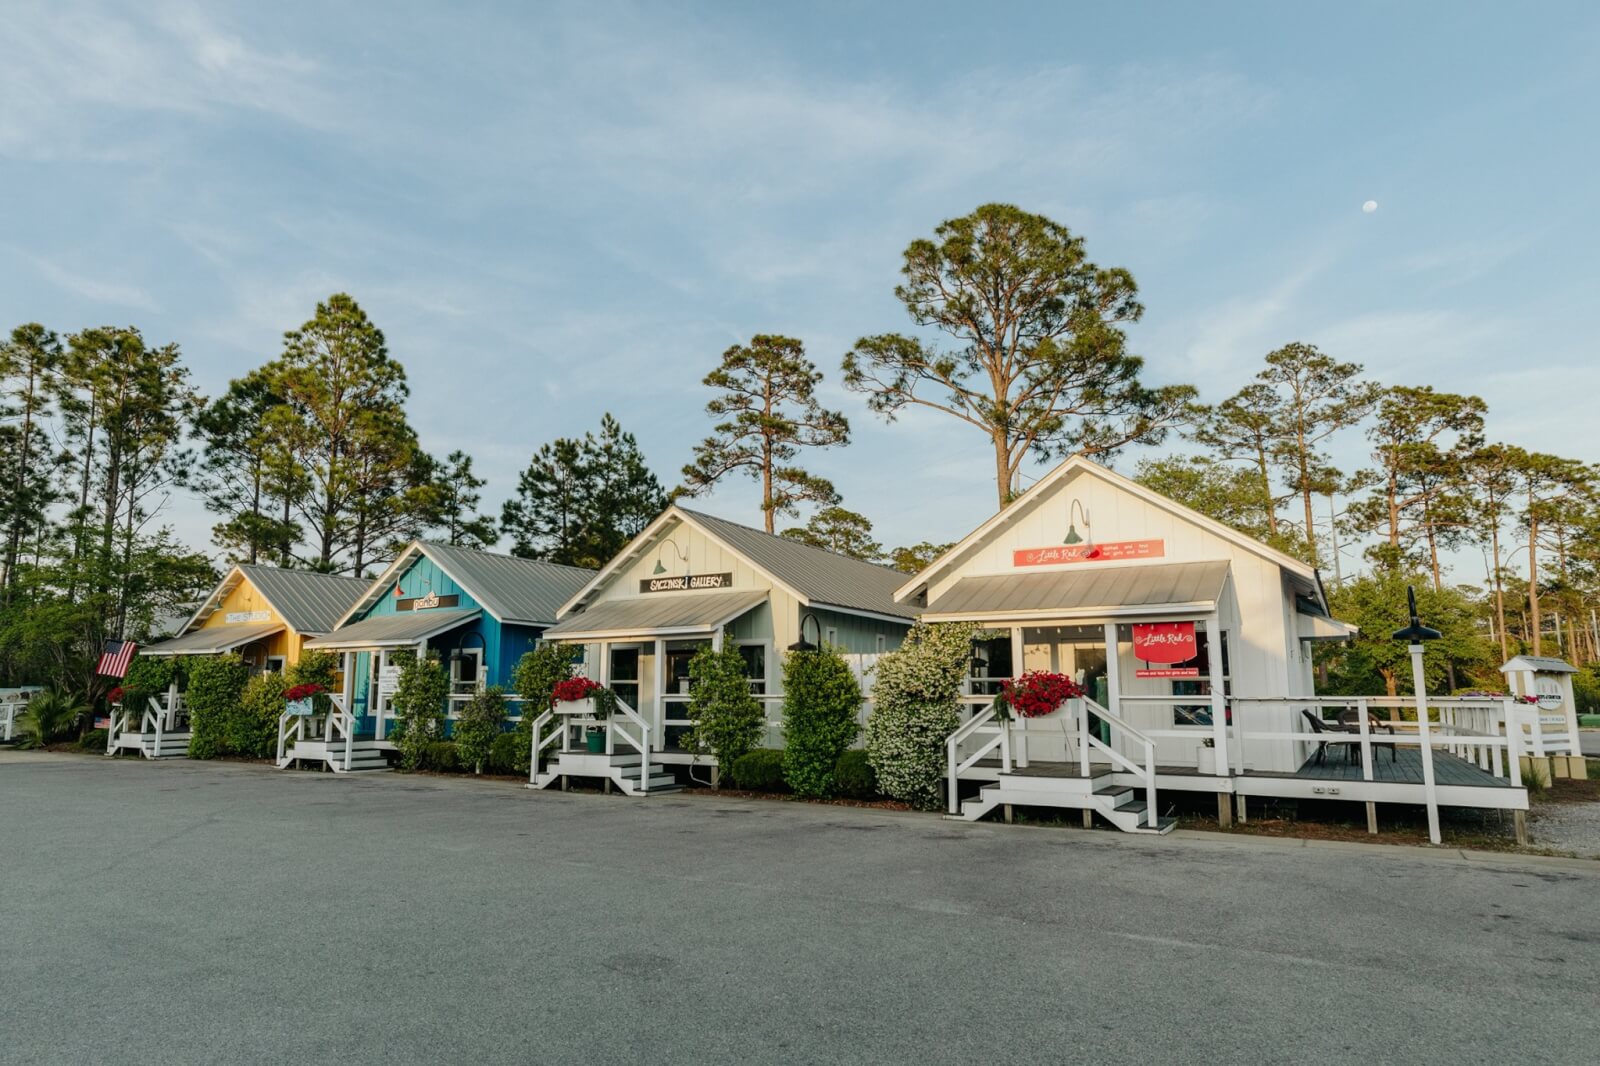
(682, 555)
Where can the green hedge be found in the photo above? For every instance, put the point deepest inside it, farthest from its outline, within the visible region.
(821, 699)
(853, 776)
(509, 754)
(760, 770)
(216, 688)
(479, 723)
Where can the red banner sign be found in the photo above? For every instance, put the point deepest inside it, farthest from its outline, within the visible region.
(1113, 551)
(1165, 643)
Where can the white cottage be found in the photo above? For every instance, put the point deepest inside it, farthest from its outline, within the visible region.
(1191, 641)
(689, 579)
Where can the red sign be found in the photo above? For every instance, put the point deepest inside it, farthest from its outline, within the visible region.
(1165, 643)
(1113, 551)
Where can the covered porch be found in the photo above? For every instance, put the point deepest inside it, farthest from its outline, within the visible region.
(640, 648)
(160, 729)
(351, 735)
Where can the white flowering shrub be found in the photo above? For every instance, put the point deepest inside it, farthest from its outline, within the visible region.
(915, 708)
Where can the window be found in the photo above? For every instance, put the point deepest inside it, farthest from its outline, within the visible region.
(755, 666)
(830, 637)
(466, 670)
(1199, 713)
(624, 675)
(882, 643)
(274, 664)
(991, 663)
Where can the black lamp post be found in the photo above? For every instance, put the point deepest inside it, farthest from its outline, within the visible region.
(803, 644)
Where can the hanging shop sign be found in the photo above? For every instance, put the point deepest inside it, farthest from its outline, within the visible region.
(1110, 551)
(686, 582)
(426, 603)
(1164, 645)
(237, 617)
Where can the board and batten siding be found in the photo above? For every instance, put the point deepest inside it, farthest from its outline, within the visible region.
(247, 599)
(1256, 609)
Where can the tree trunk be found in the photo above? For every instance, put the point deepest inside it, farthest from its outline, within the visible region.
(1533, 576)
(1499, 595)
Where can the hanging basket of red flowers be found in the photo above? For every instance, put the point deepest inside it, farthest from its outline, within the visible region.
(303, 692)
(574, 690)
(1038, 693)
(115, 695)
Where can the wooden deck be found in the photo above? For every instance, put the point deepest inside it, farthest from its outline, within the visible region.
(1405, 769)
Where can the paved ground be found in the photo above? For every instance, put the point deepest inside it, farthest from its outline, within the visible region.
(190, 913)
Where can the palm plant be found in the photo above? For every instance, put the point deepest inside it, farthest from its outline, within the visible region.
(49, 715)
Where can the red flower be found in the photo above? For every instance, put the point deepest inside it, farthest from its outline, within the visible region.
(573, 690)
(1039, 693)
(300, 692)
(115, 695)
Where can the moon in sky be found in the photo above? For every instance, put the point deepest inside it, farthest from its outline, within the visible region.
(1370, 206)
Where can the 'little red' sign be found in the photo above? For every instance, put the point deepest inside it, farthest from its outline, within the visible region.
(1165, 642)
(1112, 551)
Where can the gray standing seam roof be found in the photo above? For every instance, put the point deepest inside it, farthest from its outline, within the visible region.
(210, 640)
(665, 611)
(407, 627)
(510, 588)
(309, 602)
(821, 576)
(1076, 590)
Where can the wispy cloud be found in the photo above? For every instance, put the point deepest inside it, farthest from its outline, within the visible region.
(95, 290)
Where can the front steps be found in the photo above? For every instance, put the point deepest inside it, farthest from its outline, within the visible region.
(172, 746)
(1121, 805)
(623, 770)
(366, 756)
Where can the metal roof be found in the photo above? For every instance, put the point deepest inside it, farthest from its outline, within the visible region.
(1108, 590)
(658, 614)
(823, 577)
(213, 639)
(310, 602)
(510, 588)
(386, 630)
(1547, 664)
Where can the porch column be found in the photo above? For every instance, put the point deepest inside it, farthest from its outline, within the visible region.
(1113, 672)
(172, 703)
(349, 685)
(716, 640)
(1219, 701)
(1219, 715)
(660, 720)
(1020, 733)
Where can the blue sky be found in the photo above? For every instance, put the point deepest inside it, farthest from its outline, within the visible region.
(560, 212)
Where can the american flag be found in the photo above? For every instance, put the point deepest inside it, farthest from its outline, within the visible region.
(115, 657)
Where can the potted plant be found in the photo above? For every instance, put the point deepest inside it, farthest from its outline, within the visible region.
(301, 699)
(581, 696)
(1039, 693)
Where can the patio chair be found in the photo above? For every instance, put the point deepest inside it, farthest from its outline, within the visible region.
(1341, 735)
(1351, 719)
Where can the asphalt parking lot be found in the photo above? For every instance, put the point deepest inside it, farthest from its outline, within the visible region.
(221, 913)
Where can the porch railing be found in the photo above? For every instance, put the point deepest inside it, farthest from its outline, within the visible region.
(984, 723)
(1146, 772)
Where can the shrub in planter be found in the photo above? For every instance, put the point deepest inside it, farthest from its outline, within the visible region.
(760, 770)
(478, 725)
(820, 701)
(418, 704)
(853, 777)
(915, 707)
(216, 685)
(507, 753)
(727, 719)
(535, 677)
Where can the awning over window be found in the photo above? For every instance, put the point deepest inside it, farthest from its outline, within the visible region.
(660, 615)
(1321, 627)
(214, 640)
(1112, 591)
(392, 630)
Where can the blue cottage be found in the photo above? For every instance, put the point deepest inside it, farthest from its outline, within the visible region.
(479, 610)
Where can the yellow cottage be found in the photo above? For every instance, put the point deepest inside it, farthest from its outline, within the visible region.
(263, 613)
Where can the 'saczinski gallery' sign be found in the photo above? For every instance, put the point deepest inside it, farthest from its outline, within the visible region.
(686, 582)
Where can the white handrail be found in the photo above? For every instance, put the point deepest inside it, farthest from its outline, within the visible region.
(541, 741)
(971, 727)
(641, 743)
(285, 728)
(1148, 771)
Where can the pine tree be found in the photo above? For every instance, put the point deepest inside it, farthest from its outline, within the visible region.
(767, 396)
(841, 531)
